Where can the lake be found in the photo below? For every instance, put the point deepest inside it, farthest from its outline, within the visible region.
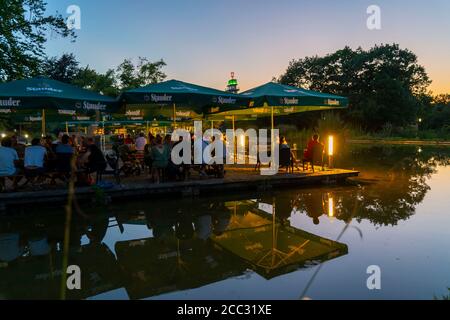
(313, 243)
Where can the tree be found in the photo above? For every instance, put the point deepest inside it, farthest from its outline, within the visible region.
(64, 68)
(383, 84)
(104, 83)
(143, 73)
(23, 33)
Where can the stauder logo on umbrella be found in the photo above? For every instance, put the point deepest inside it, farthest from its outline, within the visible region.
(94, 106)
(223, 100)
(10, 103)
(161, 98)
(289, 101)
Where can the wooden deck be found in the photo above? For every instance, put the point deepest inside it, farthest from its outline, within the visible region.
(236, 180)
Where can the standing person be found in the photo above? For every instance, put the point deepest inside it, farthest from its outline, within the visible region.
(151, 139)
(8, 161)
(160, 154)
(129, 140)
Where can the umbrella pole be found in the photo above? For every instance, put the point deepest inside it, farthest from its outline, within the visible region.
(272, 135)
(43, 123)
(234, 139)
(174, 116)
(146, 129)
(67, 127)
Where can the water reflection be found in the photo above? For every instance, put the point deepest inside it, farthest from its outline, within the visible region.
(190, 246)
(154, 247)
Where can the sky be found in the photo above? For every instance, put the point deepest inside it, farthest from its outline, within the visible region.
(202, 41)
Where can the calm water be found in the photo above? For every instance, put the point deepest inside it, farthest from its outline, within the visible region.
(233, 247)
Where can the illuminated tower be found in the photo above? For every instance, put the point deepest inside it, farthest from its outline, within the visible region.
(232, 84)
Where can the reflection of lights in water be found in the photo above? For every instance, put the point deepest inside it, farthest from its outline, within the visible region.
(330, 206)
(330, 145)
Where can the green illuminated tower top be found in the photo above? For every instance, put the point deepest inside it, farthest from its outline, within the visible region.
(233, 84)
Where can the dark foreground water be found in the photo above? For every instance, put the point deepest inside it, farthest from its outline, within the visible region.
(318, 244)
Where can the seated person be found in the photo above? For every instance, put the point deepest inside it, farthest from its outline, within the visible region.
(141, 142)
(8, 161)
(19, 146)
(283, 143)
(65, 147)
(95, 159)
(34, 157)
(308, 153)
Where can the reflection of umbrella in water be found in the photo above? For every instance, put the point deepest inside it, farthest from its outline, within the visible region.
(275, 249)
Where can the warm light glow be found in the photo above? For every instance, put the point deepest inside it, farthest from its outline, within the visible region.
(26, 136)
(420, 119)
(330, 145)
(3, 135)
(242, 140)
(330, 206)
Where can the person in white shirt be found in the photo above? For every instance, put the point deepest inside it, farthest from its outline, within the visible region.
(35, 155)
(141, 141)
(8, 159)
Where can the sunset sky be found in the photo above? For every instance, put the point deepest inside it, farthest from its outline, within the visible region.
(202, 41)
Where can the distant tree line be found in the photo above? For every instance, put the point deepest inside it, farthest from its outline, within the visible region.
(127, 75)
(385, 85)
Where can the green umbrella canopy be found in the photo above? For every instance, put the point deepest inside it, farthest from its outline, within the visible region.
(282, 100)
(199, 99)
(44, 93)
(279, 95)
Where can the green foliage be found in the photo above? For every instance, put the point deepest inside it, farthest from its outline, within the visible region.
(104, 83)
(143, 73)
(64, 68)
(383, 84)
(24, 25)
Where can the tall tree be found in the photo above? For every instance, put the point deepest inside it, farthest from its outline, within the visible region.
(64, 68)
(143, 73)
(24, 27)
(384, 84)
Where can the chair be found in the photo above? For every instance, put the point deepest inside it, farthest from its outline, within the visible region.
(63, 166)
(286, 159)
(316, 159)
(113, 162)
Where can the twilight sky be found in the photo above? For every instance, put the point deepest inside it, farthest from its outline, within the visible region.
(202, 41)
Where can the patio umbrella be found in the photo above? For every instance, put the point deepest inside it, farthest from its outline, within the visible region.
(45, 94)
(279, 99)
(175, 96)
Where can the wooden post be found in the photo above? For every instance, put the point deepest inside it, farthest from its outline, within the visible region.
(43, 123)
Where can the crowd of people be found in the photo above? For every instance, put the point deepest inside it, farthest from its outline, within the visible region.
(48, 158)
(82, 154)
